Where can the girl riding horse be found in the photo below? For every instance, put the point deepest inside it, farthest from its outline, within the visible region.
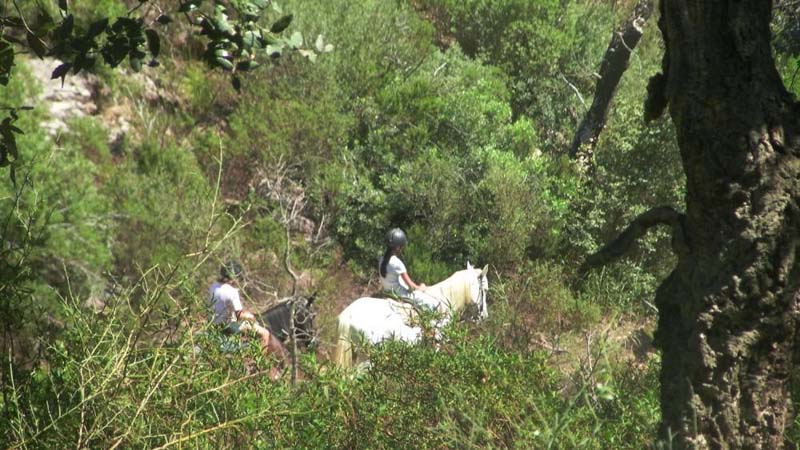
(394, 276)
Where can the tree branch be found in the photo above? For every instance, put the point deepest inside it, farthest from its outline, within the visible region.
(662, 215)
(615, 62)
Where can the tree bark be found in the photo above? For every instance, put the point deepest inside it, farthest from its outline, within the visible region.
(615, 62)
(728, 313)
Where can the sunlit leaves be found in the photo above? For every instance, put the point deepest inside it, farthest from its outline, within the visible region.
(239, 36)
(237, 41)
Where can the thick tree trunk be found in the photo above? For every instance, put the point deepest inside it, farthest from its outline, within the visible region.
(728, 313)
(615, 62)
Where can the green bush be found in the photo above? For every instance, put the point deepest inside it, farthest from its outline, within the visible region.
(465, 392)
(548, 49)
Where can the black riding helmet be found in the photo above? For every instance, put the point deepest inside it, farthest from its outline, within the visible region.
(396, 238)
(231, 270)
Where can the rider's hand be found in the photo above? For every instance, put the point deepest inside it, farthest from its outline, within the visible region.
(247, 315)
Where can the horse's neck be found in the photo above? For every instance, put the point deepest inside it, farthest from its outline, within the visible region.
(455, 289)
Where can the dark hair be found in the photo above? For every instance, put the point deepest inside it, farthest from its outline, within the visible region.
(386, 256)
(230, 270)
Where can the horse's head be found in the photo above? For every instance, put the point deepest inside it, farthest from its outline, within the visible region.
(479, 290)
(304, 320)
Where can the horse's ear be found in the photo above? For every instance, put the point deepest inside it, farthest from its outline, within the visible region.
(485, 270)
(469, 266)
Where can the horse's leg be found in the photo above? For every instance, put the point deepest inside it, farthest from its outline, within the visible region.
(275, 347)
(270, 345)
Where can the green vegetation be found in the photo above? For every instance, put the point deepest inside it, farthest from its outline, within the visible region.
(450, 119)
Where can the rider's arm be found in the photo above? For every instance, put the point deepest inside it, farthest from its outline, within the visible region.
(241, 313)
(411, 284)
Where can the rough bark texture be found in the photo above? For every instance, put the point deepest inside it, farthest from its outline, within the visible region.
(615, 62)
(728, 313)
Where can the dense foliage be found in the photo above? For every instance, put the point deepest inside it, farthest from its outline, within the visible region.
(450, 119)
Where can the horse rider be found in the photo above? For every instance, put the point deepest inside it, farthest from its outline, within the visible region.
(229, 314)
(394, 275)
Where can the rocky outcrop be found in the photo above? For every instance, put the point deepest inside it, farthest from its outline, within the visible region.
(85, 94)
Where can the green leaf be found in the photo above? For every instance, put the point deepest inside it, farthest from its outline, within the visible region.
(153, 42)
(67, 26)
(36, 45)
(249, 40)
(281, 24)
(296, 40)
(136, 64)
(267, 38)
(81, 62)
(274, 51)
(189, 6)
(61, 72)
(221, 22)
(246, 66)
(97, 27)
(224, 63)
(308, 54)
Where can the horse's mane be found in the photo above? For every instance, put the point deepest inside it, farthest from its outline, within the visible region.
(455, 290)
(277, 319)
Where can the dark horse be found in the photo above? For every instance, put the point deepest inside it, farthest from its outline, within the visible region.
(277, 321)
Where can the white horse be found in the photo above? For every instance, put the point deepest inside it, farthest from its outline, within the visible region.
(374, 320)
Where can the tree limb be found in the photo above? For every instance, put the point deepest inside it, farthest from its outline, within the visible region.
(662, 215)
(615, 62)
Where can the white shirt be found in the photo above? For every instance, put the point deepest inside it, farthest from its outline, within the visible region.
(225, 301)
(393, 281)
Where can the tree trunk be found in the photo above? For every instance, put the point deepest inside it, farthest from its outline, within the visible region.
(615, 62)
(728, 313)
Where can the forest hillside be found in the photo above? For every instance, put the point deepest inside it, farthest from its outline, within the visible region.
(452, 120)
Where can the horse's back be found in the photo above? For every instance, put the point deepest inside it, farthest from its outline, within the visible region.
(375, 307)
(378, 319)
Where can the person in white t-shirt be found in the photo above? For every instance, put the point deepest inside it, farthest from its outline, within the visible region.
(229, 313)
(394, 275)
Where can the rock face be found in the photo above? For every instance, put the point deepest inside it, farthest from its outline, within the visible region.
(86, 95)
(76, 98)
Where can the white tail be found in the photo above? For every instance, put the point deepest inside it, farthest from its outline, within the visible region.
(343, 355)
